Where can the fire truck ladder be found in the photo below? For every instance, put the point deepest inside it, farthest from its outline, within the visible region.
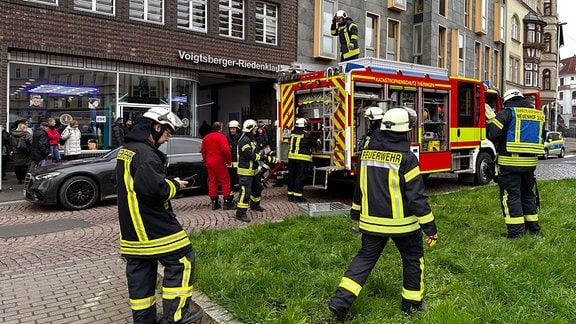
(330, 105)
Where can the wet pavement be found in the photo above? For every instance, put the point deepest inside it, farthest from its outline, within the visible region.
(59, 266)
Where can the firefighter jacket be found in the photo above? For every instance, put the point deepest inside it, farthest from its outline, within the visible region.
(233, 144)
(148, 226)
(215, 150)
(390, 191)
(301, 144)
(347, 33)
(517, 132)
(248, 155)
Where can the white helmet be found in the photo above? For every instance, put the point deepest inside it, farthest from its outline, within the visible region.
(374, 113)
(396, 120)
(512, 93)
(234, 123)
(301, 122)
(249, 125)
(163, 117)
(340, 13)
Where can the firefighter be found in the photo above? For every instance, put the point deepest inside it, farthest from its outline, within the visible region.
(517, 132)
(388, 203)
(299, 159)
(149, 230)
(374, 117)
(248, 174)
(233, 137)
(347, 31)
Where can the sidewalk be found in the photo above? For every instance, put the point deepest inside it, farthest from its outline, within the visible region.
(11, 190)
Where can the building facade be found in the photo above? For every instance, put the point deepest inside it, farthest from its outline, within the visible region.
(97, 60)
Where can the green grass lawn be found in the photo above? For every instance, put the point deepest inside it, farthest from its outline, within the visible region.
(285, 272)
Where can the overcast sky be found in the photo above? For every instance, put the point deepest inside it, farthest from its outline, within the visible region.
(566, 14)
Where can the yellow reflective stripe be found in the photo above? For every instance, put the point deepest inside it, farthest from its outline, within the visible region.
(157, 246)
(363, 182)
(397, 203)
(514, 220)
(412, 174)
(174, 292)
(355, 206)
(416, 295)
(389, 221)
(426, 218)
(521, 161)
(350, 285)
(506, 209)
(496, 123)
(388, 229)
(157, 242)
(257, 199)
(528, 148)
(142, 303)
(241, 197)
(172, 188)
(133, 204)
(531, 218)
(247, 172)
(298, 156)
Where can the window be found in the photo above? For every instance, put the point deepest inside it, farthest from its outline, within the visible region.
(54, 2)
(515, 23)
(496, 69)
(418, 7)
(372, 35)
(397, 5)
(477, 59)
(442, 8)
(531, 74)
(561, 95)
(393, 41)
(561, 81)
(266, 23)
(441, 54)
(487, 62)
(533, 33)
(499, 22)
(231, 18)
(148, 10)
(193, 14)
(99, 6)
(514, 70)
(468, 14)
(481, 18)
(461, 54)
(324, 42)
(484, 16)
(418, 44)
(547, 8)
(546, 80)
(547, 42)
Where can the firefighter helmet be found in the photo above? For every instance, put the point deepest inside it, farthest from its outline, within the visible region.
(301, 122)
(233, 124)
(163, 117)
(396, 120)
(512, 93)
(340, 13)
(249, 125)
(374, 113)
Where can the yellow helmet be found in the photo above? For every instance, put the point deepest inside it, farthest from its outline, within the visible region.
(396, 120)
(249, 125)
(233, 124)
(164, 117)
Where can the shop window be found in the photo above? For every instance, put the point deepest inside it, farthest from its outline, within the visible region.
(193, 14)
(266, 23)
(147, 10)
(98, 6)
(324, 43)
(231, 18)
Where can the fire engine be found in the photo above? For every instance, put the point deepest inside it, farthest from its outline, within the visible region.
(449, 134)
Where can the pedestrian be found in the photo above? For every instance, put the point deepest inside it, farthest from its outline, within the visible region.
(374, 117)
(53, 139)
(217, 157)
(40, 145)
(517, 132)
(388, 203)
(149, 230)
(299, 159)
(347, 31)
(233, 137)
(204, 129)
(248, 174)
(118, 136)
(127, 126)
(72, 136)
(6, 150)
(21, 157)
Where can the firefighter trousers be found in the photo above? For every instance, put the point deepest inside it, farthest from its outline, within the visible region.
(297, 176)
(412, 253)
(518, 200)
(176, 287)
(250, 191)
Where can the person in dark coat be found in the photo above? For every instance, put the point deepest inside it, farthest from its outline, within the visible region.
(204, 129)
(6, 149)
(40, 145)
(118, 133)
(21, 158)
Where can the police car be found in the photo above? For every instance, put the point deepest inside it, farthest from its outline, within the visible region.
(554, 145)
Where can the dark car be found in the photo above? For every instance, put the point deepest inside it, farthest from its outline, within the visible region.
(79, 184)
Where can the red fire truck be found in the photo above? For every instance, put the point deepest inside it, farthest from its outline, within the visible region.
(450, 130)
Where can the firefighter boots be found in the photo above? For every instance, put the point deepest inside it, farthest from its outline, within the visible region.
(256, 207)
(229, 203)
(300, 199)
(241, 215)
(290, 197)
(215, 203)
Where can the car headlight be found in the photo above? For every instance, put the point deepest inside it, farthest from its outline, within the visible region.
(45, 176)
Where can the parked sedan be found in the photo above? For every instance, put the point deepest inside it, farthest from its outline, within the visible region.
(554, 145)
(79, 184)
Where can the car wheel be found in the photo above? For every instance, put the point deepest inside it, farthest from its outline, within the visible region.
(483, 162)
(546, 154)
(562, 153)
(78, 193)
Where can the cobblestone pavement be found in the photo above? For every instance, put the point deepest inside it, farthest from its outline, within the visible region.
(64, 267)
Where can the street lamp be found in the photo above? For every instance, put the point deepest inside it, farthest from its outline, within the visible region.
(559, 43)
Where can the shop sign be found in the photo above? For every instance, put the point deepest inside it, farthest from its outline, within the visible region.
(100, 119)
(198, 58)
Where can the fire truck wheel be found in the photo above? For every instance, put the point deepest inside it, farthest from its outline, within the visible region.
(482, 174)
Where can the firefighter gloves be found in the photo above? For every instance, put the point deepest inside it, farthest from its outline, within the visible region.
(272, 160)
(431, 240)
(354, 214)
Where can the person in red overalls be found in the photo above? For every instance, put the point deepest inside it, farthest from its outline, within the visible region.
(217, 157)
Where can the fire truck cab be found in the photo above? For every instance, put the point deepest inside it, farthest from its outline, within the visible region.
(449, 132)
